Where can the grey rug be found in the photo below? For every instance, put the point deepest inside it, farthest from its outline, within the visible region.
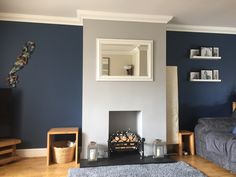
(178, 169)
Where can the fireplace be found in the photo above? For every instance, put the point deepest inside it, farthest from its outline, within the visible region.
(124, 142)
(125, 133)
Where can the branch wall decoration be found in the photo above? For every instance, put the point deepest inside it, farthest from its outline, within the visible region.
(20, 62)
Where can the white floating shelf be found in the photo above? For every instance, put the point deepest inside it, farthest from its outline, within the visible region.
(205, 80)
(205, 58)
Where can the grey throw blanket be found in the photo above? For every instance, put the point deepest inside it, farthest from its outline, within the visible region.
(222, 143)
(232, 149)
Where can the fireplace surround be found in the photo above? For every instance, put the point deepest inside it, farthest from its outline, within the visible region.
(102, 97)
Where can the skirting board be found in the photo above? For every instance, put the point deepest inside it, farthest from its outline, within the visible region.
(35, 152)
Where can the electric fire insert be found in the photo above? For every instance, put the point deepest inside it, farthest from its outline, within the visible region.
(125, 141)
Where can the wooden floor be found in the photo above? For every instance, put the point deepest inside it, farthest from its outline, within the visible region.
(36, 167)
(208, 168)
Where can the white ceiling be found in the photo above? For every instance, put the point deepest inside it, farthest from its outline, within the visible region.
(219, 13)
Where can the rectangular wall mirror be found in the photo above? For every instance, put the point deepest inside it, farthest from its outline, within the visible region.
(124, 60)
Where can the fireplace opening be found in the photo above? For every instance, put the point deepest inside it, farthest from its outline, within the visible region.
(125, 133)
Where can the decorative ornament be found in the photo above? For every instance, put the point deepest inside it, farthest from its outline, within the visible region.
(20, 62)
(129, 69)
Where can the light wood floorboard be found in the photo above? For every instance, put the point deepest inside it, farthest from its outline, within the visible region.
(208, 168)
(36, 167)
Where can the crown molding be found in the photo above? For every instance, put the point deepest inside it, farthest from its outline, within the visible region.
(40, 19)
(101, 15)
(201, 29)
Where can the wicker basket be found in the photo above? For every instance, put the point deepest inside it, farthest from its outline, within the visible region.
(63, 151)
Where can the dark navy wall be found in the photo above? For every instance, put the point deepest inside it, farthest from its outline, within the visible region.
(50, 90)
(197, 99)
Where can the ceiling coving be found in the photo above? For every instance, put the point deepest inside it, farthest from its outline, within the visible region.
(219, 13)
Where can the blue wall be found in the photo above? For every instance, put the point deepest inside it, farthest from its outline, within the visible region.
(197, 99)
(50, 90)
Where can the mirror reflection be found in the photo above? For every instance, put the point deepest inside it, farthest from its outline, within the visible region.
(124, 60)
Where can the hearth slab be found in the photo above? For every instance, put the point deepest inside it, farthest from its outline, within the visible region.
(125, 160)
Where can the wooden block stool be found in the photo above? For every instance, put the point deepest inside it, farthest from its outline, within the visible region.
(190, 136)
(61, 131)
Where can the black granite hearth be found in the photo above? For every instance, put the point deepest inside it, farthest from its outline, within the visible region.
(124, 160)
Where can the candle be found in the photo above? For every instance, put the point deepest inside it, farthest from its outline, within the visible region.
(92, 154)
(158, 152)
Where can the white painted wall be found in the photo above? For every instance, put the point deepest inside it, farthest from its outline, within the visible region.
(101, 97)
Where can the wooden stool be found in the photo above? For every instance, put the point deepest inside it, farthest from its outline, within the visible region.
(8, 150)
(61, 131)
(190, 136)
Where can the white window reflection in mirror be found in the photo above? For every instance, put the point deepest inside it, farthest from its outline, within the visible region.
(124, 60)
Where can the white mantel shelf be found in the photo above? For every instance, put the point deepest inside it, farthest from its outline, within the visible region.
(205, 58)
(205, 80)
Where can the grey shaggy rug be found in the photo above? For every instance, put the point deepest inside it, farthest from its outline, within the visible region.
(178, 169)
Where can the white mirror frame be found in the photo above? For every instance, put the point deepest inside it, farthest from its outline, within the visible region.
(100, 77)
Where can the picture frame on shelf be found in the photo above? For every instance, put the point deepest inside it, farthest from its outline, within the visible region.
(216, 52)
(215, 74)
(194, 75)
(206, 51)
(194, 52)
(206, 74)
